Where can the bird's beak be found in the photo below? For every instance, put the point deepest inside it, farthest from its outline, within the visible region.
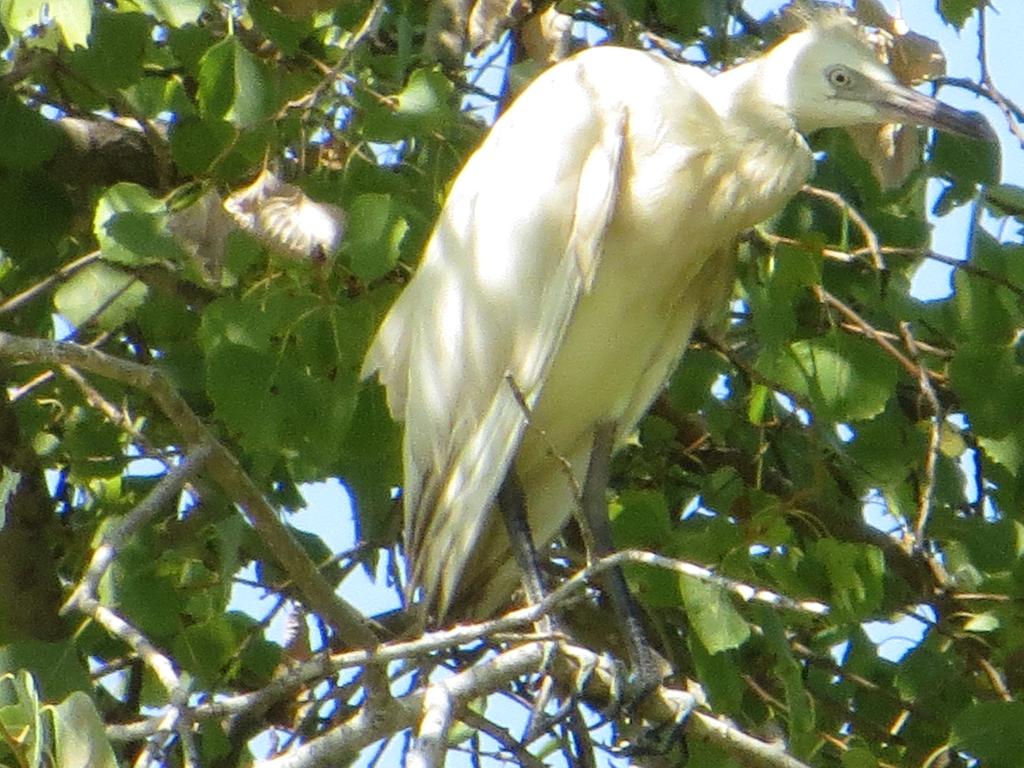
(905, 105)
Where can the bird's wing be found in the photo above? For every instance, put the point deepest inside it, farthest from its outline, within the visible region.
(517, 244)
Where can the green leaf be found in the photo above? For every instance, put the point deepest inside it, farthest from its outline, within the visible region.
(984, 312)
(22, 714)
(855, 574)
(116, 50)
(423, 107)
(56, 667)
(719, 674)
(149, 599)
(425, 98)
(73, 17)
(712, 615)
(983, 622)
(176, 14)
(803, 736)
(702, 753)
(858, 756)
(640, 520)
(972, 372)
(196, 144)
(35, 212)
(19, 15)
(29, 138)
(374, 236)
(92, 444)
(774, 300)
(957, 12)
(286, 32)
(370, 461)
(238, 322)
(759, 407)
(100, 293)
(214, 744)
(1006, 199)
(994, 545)
(234, 85)
(690, 385)
(131, 227)
(79, 736)
(217, 79)
(885, 446)
(965, 163)
(205, 649)
(935, 679)
(1007, 450)
(842, 377)
(990, 732)
(239, 381)
(685, 18)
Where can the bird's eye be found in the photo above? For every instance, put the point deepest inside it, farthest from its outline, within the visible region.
(840, 77)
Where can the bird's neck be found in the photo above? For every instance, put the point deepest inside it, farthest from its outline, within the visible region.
(750, 97)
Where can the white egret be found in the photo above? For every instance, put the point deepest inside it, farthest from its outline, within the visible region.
(579, 246)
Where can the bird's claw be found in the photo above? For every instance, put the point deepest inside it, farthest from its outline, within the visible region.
(630, 686)
(661, 739)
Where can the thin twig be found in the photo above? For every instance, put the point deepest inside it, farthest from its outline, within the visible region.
(872, 333)
(945, 354)
(96, 399)
(61, 275)
(583, 744)
(501, 735)
(431, 642)
(995, 679)
(165, 491)
(1009, 110)
(887, 250)
(870, 238)
(371, 22)
(664, 705)
(161, 665)
(16, 393)
(960, 264)
(927, 494)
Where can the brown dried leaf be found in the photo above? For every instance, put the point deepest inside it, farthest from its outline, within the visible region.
(546, 35)
(894, 152)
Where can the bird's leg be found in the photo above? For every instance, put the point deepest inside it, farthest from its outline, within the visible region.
(512, 504)
(644, 662)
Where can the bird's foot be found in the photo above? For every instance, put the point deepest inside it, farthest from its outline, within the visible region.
(665, 738)
(632, 684)
(659, 741)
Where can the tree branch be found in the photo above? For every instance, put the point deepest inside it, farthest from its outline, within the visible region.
(165, 491)
(350, 625)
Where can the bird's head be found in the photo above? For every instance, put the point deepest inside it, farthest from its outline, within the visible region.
(828, 75)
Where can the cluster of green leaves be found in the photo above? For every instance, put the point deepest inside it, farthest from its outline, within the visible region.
(757, 462)
(68, 733)
(265, 349)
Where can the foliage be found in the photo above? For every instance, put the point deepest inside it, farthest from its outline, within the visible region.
(835, 441)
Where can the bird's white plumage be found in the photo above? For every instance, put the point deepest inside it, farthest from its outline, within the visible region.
(578, 248)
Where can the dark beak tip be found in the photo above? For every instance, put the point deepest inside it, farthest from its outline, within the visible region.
(981, 129)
